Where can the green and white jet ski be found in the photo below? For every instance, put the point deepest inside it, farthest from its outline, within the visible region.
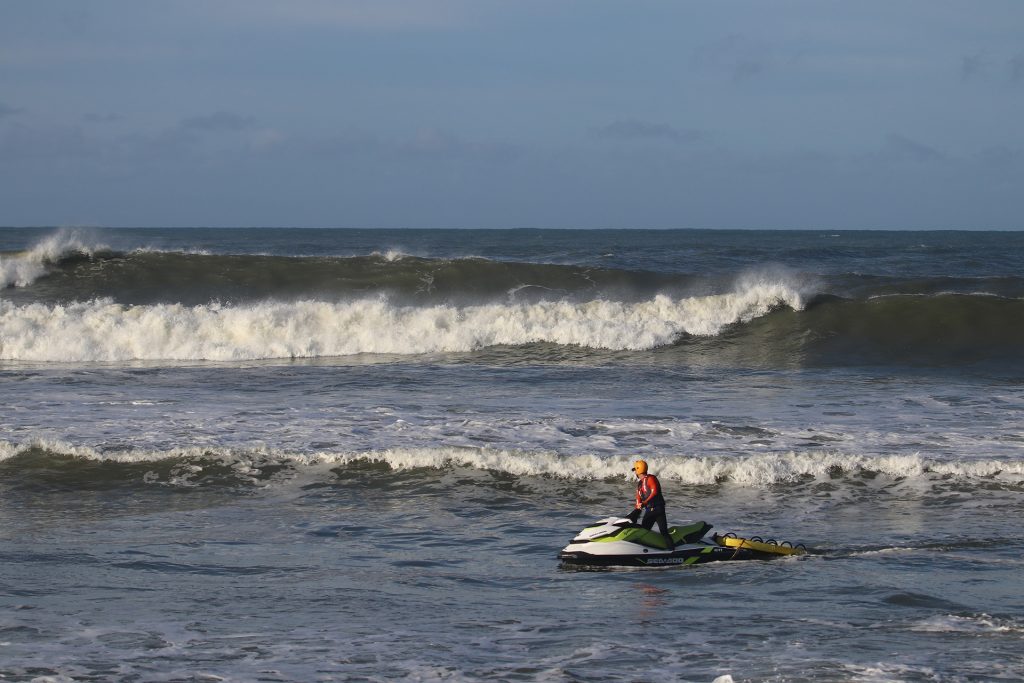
(620, 542)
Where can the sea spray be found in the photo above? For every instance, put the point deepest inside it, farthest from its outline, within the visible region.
(24, 268)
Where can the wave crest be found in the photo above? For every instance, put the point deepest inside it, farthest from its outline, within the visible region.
(22, 269)
(751, 471)
(103, 330)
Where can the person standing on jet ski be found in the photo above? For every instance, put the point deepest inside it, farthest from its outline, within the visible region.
(650, 501)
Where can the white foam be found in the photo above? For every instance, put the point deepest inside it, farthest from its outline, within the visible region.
(753, 471)
(194, 251)
(103, 330)
(888, 673)
(980, 623)
(24, 268)
(765, 469)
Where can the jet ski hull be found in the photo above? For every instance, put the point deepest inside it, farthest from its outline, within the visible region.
(643, 557)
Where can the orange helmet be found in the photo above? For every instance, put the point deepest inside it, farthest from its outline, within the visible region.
(640, 467)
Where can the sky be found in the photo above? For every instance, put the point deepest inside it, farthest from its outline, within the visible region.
(804, 114)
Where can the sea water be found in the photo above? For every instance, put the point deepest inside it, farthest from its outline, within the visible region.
(334, 455)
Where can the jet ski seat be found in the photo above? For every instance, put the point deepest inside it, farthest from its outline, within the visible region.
(634, 533)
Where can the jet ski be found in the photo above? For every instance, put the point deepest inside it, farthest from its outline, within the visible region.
(620, 542)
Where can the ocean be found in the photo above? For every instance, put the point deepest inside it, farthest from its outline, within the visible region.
(353, 455)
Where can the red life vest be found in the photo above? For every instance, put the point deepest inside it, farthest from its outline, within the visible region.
(648, 492)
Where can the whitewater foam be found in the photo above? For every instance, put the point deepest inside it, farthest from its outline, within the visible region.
(752, 471)
(103, 330)
(973, 624)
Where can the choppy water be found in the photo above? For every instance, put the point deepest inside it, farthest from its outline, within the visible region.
(353, 455)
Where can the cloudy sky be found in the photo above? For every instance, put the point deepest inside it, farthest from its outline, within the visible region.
(515, 113)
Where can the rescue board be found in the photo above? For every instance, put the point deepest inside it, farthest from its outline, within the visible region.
(758, 545)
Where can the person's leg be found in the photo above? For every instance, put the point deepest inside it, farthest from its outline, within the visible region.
(663, 528)
(650, 517)
(658, 515)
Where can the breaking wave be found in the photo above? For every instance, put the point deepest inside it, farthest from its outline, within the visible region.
(103, 330)
(23, 268)
(762, 323)
(752, 471)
